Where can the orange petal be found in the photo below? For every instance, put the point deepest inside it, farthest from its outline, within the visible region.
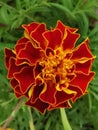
(31, 53)
(8, 54)
(37, 36)
(54, 38)
(39, 105)
(25, 78)
(82, 81)
(70, 40)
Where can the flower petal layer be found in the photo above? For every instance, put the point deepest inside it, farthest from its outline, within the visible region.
(82, 81)
(54, 38)
(25, 78)
(30, 53)
(48, 93)
(39, 105)
(82, 51)
(70, 40)
(8, 54)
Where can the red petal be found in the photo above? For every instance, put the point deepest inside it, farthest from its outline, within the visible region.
(22, 40)
(21, 43)
(38, 37)
(39, 105)
(37, 69)
(62, 105)
(36, 91)
(8, 54)
(18, 92)
(48, 95)
(82, 51)
(30, 27)
(82, 81)
(25, 78)
(62, 97)
(54, 38)
(14, 83)
(31, 53)
(78, 93)
(84, 68)
(62, 27)
(13, 68)
(70, 40)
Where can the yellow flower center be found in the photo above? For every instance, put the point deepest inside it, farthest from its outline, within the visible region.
(56, 68)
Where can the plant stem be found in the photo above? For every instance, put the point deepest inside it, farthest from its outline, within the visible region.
(65, 122)
(10, 118)
(31, 120)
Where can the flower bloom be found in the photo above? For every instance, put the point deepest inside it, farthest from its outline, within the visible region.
(47, 68)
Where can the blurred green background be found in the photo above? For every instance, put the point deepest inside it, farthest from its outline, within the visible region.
(82, 14)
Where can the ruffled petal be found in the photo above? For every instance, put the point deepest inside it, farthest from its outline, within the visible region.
(84, 68)
(78, 93)
(37, 36)
(17, 92)
(66, 104)
(82, 51)
(30, 27)
(62, 27)
(70, 40)
(48, 93)
(13, 68)
(31, 53)
(8, 54)
(62, 97)
(25, 78)
(54, 38)
(21, 44)
(39, 105)
(82, 81)
(36, 90)
(13, 83)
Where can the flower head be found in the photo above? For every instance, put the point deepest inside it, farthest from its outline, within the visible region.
(47, 68)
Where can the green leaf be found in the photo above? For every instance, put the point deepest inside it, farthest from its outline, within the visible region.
(64, 9)
(18, 4)
(83, 23)
(67, 3)
(4, 45)
(94, 31)
(4, 15)
(95, 95)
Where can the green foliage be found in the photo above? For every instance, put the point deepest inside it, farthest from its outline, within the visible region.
(82, 14)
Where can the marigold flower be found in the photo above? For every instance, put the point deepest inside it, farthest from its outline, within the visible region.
(47, 68)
